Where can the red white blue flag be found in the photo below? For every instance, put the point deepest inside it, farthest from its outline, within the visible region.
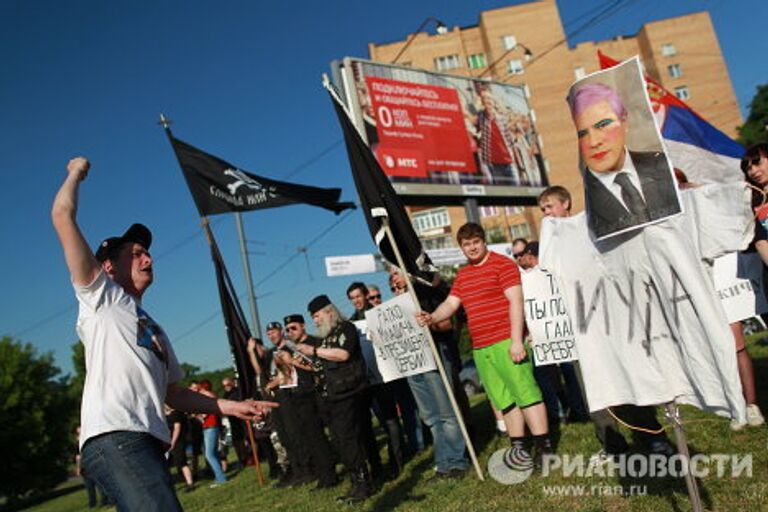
(702, 152)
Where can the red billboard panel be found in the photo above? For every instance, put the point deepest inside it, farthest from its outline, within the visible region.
(446, 137)
(420, 127)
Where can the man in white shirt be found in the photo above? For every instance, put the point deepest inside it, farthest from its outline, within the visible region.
(131, 369)
(623, 189)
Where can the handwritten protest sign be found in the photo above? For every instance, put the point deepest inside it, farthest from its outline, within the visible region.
(547, 319)
(400, 344)
(738, 279)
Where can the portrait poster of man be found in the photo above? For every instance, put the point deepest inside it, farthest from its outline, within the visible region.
(628, 178)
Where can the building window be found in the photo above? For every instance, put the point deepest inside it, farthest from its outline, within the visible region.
(668, 50)
(430, 220)
(520, 231)
(675, 71)
(442, 242)
(509, 42)
(515, 67)
(477, 61)
(682, 92)
(488, 211)
(447, 62)
(579, 72)
(513, 210)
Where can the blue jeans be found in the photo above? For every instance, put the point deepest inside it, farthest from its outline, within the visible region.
(436, 412)
(211, 441)
(131, 468)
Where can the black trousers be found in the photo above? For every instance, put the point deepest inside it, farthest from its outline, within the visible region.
(343, 418)
(307, 429)
(607, 429)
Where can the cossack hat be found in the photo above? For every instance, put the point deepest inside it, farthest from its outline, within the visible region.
(274, 325)
(137, 233)
(318, 303)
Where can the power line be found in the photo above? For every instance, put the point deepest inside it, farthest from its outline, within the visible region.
(274, 272)
(613, 7)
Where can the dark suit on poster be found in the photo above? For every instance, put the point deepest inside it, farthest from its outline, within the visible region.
(607, 215)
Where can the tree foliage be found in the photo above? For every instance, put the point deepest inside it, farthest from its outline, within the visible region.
(755, 129)
(37, 409)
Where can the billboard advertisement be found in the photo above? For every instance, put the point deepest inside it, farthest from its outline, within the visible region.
(446, 137)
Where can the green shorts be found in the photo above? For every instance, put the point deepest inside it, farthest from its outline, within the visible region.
(508, 384)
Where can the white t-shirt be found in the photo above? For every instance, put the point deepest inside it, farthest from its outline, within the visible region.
(129, 363)
(648, 325)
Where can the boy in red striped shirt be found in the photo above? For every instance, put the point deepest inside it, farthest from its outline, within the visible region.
(489, 289)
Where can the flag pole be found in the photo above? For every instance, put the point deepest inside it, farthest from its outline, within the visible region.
(166, 124)
(435, 353)
(673, 415)
(249, 426)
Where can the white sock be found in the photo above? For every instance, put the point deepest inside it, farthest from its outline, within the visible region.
(501, 426)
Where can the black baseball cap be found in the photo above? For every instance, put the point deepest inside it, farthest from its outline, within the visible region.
(137, 233)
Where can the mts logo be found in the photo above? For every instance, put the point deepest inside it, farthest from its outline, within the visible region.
(407, 162)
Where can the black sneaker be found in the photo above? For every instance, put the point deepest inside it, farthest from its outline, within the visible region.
(456, 473)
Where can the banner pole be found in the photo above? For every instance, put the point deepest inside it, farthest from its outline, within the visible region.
(435, 353)
(255, 452)
(259, 475)
(673, 414)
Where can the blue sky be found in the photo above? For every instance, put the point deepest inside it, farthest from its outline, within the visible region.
(241, 80)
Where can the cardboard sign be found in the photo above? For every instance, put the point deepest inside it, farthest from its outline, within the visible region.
(547, 319)
(738, 279)
(400, 343)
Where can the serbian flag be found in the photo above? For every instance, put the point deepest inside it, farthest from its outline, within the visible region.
(695, 147)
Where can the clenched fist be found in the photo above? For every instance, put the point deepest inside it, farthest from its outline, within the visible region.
(79, 167)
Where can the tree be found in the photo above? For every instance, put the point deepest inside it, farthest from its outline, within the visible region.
(755, 129)
(36, 438)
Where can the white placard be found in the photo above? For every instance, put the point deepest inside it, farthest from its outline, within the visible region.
(401, 345)
(738, 280)
(550, 326)
(348, 265)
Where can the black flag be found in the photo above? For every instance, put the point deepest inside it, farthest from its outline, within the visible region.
(220, 187)
(234, 320)
(379, 200)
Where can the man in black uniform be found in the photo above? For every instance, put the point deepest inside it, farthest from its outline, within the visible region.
(341, 384)
(286, 421)
(305, 406)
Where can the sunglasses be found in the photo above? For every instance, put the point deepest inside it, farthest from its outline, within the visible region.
(374, 297)
(292, 328)
(517, 254)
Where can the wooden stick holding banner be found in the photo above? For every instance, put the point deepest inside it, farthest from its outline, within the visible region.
(166, 124)
(254, 450)
(673, 414)
(432, 346)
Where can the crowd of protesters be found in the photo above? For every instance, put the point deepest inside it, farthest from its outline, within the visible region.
(318, 394)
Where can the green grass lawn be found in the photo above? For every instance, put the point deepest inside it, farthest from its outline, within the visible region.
(706, 434)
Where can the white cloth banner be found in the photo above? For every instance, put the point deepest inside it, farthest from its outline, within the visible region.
(547, 319)
(648, 324)
(738, 280)
(400, 343)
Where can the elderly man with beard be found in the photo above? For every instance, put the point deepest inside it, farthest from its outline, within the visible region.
(305, 406)
(340, 383)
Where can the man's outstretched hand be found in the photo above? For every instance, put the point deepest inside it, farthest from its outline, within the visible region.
(247, 409)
